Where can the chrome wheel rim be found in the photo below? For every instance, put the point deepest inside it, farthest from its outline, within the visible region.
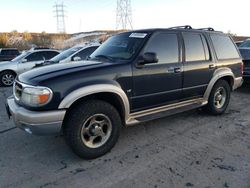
(8, 79)
(96, 130)
(220, 97)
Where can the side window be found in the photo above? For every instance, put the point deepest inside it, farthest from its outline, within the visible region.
(85, 53)
(49, 54)
(224, 47)
(36, 56)
(194, 48)
(165, 45)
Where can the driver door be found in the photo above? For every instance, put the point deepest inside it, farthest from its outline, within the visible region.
(160, 83)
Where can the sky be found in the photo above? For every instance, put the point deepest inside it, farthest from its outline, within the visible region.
(89, 15)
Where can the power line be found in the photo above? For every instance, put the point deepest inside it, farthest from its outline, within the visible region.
(60, 17)
(124, 15)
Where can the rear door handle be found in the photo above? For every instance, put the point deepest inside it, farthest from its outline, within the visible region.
(177, 70)
(211, 66)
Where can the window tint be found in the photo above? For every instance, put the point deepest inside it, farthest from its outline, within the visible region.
(194, 47)
(224, 47)
(205, 45)
(86, 52)
(49, 54)
(165, 46)
(36, 56)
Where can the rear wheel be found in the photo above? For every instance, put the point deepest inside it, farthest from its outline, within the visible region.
(219, 98)
(92, 128)
(7, 78)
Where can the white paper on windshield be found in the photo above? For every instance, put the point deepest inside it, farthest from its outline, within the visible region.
(138, 35)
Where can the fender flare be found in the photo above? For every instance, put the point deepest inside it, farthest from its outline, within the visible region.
(94, 89)
(218, 74)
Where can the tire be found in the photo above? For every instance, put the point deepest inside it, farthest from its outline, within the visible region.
(219, 98)
(7, 78)
(92, 128)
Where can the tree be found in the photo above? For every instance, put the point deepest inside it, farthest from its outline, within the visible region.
(27, 36)
(3, 40)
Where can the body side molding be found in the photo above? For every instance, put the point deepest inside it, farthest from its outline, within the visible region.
(93, 89)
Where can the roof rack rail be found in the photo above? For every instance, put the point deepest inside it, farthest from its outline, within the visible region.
(181, 27)
(208, 29)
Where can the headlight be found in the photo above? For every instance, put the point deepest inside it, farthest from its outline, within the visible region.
(36, 96)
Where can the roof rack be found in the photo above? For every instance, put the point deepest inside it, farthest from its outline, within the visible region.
(181, 27)
(208, 29)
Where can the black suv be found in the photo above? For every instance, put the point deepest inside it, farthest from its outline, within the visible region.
(7, 54)
(133, 77)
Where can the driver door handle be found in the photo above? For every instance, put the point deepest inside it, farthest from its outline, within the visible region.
(211, 66)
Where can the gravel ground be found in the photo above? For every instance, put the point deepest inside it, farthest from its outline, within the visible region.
(191, 149)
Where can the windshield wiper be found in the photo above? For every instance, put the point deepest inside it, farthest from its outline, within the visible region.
(104, 57)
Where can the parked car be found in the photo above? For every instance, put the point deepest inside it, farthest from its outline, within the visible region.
(24, 62)
(133, 77)
(76, 53)
(245, 53)
(238, 43)
(7, 54)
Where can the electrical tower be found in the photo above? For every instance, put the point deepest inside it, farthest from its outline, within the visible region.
(124, 15)
(60, 17)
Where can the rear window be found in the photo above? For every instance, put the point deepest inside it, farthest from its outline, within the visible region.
(224, 47)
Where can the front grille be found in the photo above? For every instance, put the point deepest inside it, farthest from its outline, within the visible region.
(18, 90)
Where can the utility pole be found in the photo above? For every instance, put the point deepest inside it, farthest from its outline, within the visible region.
(60, 17)
(124, 15)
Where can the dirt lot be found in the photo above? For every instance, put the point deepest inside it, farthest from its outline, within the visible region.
(191, 149)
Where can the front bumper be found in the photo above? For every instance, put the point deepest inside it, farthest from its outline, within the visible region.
(38, 123)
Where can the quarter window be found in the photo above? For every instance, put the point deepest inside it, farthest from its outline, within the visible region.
(194, 48)
(224, 47)
(165, 45)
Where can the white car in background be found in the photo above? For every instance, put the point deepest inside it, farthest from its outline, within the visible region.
(22, 63)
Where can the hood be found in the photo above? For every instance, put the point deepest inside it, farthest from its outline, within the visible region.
(37, 75)
(245, 53)
(6, 64)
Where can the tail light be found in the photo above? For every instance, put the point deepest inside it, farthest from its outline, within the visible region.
(242, 68)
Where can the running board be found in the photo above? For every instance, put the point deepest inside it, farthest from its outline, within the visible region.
(167, 110)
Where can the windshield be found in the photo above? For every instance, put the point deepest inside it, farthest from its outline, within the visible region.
(245, 44)
(120, 47)
(66, 54)
(21, 56)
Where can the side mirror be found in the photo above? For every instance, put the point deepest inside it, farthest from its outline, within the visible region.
(148, 58)
(24, 60)
(76, 58)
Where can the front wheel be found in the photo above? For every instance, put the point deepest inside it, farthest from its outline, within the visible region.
(7, 78)
(92, 128)
(219, 98)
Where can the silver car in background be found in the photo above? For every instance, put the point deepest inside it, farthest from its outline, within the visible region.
(22, 63)
(76, 53)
